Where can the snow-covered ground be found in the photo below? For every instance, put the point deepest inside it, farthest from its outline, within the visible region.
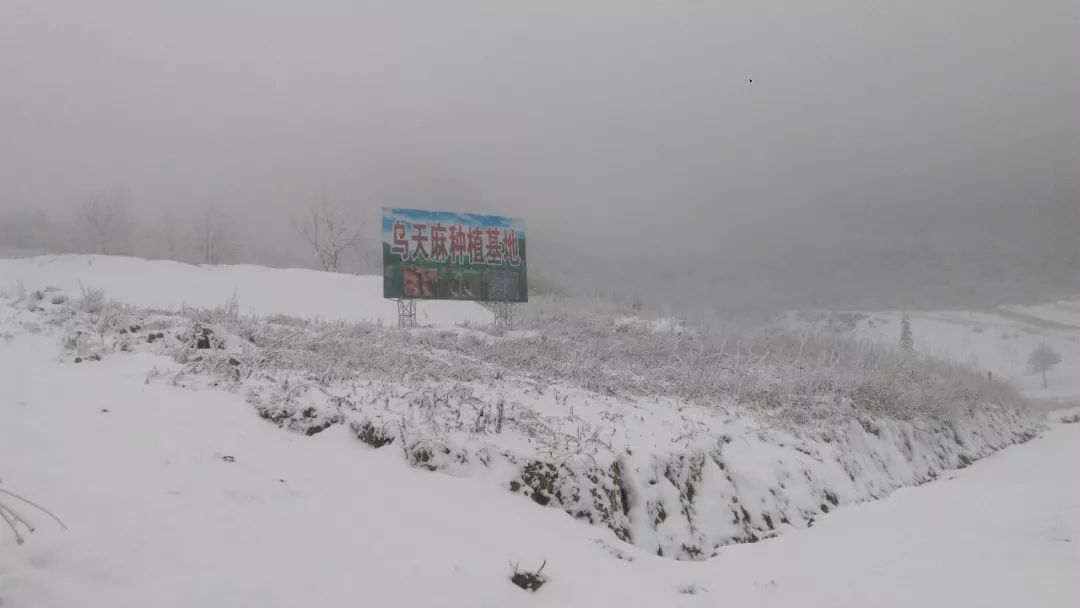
(176, 492)
(998, 342)
(258, 290)
(1065, 312)
(680, 477)
(182, 498)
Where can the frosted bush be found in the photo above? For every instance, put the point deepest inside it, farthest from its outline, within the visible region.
(92, 301)
(794, 377)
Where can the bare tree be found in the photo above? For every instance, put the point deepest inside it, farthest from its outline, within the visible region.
(1043, 359)
(212, 234)
(330, 232)
(168, 234)
(104, 218)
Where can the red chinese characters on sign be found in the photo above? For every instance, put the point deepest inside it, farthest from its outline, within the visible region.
(511, 247)
(401, 240)
(494, 247)
(456, 244)
(420, 238)
(439, 252)
(459, 244)
(476, 246)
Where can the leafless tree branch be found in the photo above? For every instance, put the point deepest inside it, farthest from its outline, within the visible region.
(103, 217)
(330, 232)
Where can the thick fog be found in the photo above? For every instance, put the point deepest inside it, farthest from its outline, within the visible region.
(714, 155)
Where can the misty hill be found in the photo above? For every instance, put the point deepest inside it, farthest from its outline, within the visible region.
(733, 263)
(866, 258)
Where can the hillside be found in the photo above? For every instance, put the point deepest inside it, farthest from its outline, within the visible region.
(997, 341)
(258, 290)
(411, 466)
(174, 498)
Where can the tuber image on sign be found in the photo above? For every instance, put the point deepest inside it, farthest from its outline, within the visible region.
(438, 255)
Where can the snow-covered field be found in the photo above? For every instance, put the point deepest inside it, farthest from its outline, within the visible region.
(258, 290)
(181, 498)
(1065, 312)
(998, 342)
(151, 447)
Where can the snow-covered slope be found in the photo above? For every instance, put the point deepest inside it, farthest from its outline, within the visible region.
(258, 290)
(999, 342)
(180, 498)
(1064, 312)
(150, 432)
(679, 476)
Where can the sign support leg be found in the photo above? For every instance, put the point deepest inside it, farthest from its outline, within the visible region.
(406, 312)
(504, 315)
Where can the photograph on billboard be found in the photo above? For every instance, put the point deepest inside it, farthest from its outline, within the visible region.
(439, 255)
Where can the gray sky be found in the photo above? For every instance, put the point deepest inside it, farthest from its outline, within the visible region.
(631, 121)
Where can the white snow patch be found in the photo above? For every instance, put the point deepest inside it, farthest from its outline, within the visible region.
(1065, 312)
(668, 325)
(259, 290)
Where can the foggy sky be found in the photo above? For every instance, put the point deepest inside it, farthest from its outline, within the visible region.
(625, 130)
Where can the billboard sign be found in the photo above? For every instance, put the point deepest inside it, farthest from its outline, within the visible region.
(437, 255)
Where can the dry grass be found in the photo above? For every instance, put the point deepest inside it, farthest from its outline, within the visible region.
(797, 377)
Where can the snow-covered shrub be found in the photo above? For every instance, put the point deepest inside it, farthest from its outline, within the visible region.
(92, 300)
(794, 378)
(679, 442)
(798, 376)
